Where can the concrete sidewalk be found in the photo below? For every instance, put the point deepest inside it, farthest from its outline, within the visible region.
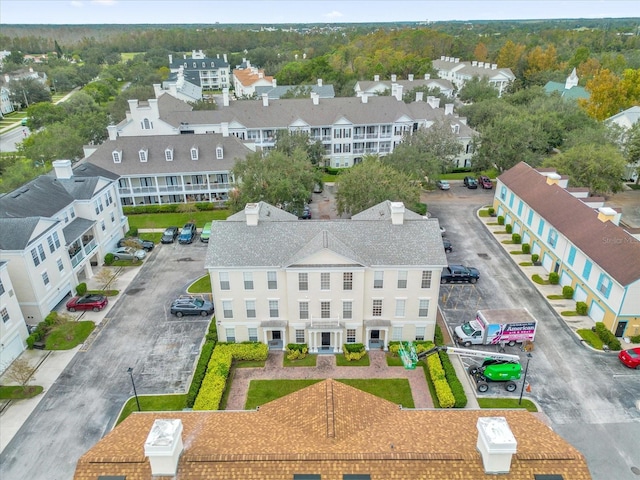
(49, 364)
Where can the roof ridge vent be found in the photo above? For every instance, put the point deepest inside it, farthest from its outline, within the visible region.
(330, 407)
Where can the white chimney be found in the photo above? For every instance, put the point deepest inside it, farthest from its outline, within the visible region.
(224, 126)
(496, 444)
(393, 77)
(419, 96)
(448, 108)
(260, 74)
(608, 214)
(553, 178)
(224, 57)
(365, 98)
(274, 82)
(494, 66)
(315, 98)
(113, 132)
(410, 77)
(170, 59)
(434, 102)
(447, 58)
(427, 76)
(164, 446)
(474, 63)
(63, 169)
(376, 78)
(397, 213)
(265, 100)
(319, 82)
(456, 60)
(225, 97)
(441, 57)
(251, 212)
(480, 64)
(399, 92)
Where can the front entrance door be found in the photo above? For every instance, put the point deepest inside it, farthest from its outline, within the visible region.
(375, 334)
(275, 335)
(326, 339)
(620, 329)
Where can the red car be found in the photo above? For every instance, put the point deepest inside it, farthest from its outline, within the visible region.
(485, 182)
(87, 302)
(631, 357)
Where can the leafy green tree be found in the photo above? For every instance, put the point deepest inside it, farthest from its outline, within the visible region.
(57, 141)
(599, 167)
(43, 114)
(288, 142)
(372, 182)
(410, 96)
(477, 90)
(27, 91)
(17, 174)
(101, 91)
(632, 148)
(204, 105)
(427, 153)
(276, 178)
(299, 91)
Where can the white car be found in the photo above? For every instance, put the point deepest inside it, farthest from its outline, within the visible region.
(443, 185)
(128, 253)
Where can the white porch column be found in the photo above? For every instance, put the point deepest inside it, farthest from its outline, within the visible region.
(264, 334)
(283, 335)
(386, 339)
(366, 339)
(88, 271)
(340, 342)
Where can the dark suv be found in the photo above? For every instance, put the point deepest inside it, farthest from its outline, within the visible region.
(470, 182)
(136, 243)
(459, 273)
(188, 233)
(448, 246)
(191, 305)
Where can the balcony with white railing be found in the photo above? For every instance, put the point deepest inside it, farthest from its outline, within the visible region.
(317, 323)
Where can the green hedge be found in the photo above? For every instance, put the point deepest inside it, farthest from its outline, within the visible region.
(354, 351)
(526, 248)
(608, 338)
(438, 377)
(42, 329)
(81, 289)
(296, 351)
(201, 368)
(219, 367)
(450, 373)
(168, 208)
(554, 278)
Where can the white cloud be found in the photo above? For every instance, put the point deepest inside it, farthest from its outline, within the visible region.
(333, 15)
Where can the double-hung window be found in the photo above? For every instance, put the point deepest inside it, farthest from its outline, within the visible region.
(402, 279)
(378, 278)
(303, 281)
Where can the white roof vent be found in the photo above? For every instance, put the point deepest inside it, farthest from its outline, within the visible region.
(496, 444)
(164, 446)
(397, 213)
(251, 212)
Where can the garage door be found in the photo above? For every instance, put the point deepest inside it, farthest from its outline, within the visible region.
(64, 291)
(547, 261)
(596, 312)
(516, 228)
(565, 278)
(10, 352)
(580, 295)
(535, 248)
(526, 238)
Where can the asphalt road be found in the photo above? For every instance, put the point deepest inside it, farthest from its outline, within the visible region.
(139, 332)
(9, 141)
(589, 398)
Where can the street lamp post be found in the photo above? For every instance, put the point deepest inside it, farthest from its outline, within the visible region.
(130, 372)
(524, 378)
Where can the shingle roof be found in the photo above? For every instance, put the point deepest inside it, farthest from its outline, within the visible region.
(605, 243)
(180, 62)
(233, 149)
(283, 113)
(249, 76)
(366, 239)
(324, 91)
(408, 85)
(331, 429)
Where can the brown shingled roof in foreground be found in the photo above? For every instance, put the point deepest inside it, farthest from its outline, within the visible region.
(605, 243)
(331, 429)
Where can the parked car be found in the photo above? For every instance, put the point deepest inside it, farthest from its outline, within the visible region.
(470, 182)
(317, 188)
(191, 305)
(169, 235)
(448, 246)
(443, 185)
(89, 301)
(485, 182)
(188, 233)
(631, 357)
(137, 243)
(442, 230)
(459, 273)
(306, 213)
(206, 232)
(128, 253)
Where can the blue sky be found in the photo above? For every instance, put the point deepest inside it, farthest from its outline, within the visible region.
(302, 11)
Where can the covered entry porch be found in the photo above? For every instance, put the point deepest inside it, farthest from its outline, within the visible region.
(274, 334)
(377, 334)
(325, 335)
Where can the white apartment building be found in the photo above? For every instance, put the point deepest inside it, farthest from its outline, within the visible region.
(377, 86)
(206, 73)
(13, 329)
(372, 279)
(459, 73)
(54, 229)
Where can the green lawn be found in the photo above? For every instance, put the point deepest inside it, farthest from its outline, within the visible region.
(68, 335)
(202, 285)
(507, 403)
(591, 338)
(308, 361)
(154, 403)
(264, 391)
(17, 392)
(163, 220)
(341, 361)
(396, 390)
(556, 297)
(539, 280)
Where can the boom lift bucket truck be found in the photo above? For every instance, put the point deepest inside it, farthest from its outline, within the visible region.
(495, 367)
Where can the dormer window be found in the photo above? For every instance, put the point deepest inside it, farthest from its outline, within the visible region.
(212, 65)
(146, 124)
(117, 156)
(204, 65)
(194, 153)
(219, 152)
(168, 154)
(195, 65)
(143, 154)
(455, 128)
(185, 64)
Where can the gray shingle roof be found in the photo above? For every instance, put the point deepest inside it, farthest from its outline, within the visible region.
(76, 228)
(15, 233)
(324, 91)
(233, 149)
(368, 239)
(217, 63)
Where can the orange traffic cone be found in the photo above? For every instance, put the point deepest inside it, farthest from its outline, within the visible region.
(528, 389)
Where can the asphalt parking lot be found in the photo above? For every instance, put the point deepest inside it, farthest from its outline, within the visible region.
(587, 397)
(138, 332)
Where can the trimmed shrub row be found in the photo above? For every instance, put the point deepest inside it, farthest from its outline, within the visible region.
(438, 377)
(168, 208)
(201, 368)
(517, 239)
(297, 351)
(219, 367)
(353, 351)
(608, 338)
(508, 228)
(450, 373)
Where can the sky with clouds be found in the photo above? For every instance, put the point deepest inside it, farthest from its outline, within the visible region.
(301, 11)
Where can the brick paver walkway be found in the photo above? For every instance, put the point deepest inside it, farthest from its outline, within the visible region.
(326, 368)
